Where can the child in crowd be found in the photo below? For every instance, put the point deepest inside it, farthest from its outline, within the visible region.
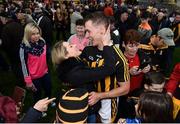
(153, 107)
(79, 38)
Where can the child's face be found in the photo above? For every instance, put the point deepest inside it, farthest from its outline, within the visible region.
(80, 30)
(155, 87)
(35, 36)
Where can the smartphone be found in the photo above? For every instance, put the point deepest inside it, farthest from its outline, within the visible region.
(19, 95)
(142, 66)
(144, 63)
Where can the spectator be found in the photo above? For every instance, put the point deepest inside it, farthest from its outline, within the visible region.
(12, 34)
(158, 22)
(115, 36)
(8, 113)
(79, 38)
(46, 26)
(144, 28)
(36, 112)
(157, 48)
(108, 10)
(173, 89)
(153, 107)
(139, 65)
(153, 81)
(60, 22)
(136, 59)
(121, 23)
(9, 110)
(176, 28)
(74, 17)
(33, 61)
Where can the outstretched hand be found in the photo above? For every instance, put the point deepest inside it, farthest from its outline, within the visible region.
(42, 105)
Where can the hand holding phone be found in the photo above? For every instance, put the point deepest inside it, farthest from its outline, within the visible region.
(146, 69)
(134, 70)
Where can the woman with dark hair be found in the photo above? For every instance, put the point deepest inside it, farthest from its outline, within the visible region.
(153, 107)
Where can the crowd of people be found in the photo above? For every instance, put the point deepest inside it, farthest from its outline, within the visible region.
(112, 58)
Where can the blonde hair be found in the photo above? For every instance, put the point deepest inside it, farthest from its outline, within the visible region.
(28, 31)
(58, 53)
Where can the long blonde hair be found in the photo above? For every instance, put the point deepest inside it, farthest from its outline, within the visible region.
(58, 53)
(28, 31)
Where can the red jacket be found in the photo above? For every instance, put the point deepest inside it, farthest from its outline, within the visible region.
(174, 81)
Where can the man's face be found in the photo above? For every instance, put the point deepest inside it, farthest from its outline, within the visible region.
(157, 41)
(80, 30)
(124, 16)
(93, 33)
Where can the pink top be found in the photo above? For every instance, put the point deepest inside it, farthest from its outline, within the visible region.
(80, 43)
(37, 66)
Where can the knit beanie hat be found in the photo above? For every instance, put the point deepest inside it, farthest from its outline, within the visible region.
(73, 107)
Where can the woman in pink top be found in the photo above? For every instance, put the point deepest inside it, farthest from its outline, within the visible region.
(33, 61)
(79, 38)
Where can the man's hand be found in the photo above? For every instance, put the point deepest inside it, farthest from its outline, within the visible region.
(31, 87)
(42, 105)
(94, 97)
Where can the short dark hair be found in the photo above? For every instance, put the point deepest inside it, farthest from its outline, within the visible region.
(98, 18)
(155, 107)
(80, 22)
(145, 15)
(132, 36)
(154, 78)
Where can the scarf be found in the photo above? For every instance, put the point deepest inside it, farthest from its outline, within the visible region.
(36, 49)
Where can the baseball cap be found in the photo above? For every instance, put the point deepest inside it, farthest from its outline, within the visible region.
(167, 35)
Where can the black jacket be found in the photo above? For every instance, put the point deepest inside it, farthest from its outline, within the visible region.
(32, 116)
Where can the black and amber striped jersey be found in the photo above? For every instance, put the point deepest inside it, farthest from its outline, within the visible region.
(158, 55)
(94, 58)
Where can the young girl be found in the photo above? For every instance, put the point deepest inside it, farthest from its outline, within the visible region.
(33, 61)
(153, 107)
